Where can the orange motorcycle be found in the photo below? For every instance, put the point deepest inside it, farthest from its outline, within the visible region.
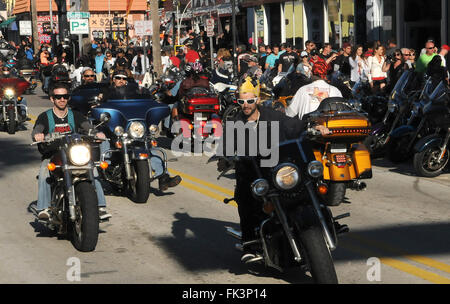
(345, 159)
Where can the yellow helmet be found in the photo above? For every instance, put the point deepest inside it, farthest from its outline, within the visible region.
(250, 85)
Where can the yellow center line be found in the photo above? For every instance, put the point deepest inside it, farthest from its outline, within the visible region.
(413, 257)
(202, 182)
(206, 192)
(33, 118)
(399, 265)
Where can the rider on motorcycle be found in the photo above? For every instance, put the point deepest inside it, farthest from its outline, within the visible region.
(252, 113)
(119, 89)
(60, 119)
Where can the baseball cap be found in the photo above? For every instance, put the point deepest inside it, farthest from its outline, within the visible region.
(304, 54)
(314, 52)
(446, 47)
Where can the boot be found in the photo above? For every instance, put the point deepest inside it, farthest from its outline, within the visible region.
(165, 181)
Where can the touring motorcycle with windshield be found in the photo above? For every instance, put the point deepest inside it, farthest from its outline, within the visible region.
(13, 110)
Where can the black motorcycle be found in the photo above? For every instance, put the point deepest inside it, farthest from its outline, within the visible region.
(297, 229)
(402, 140)
(74, 203)
(399, 106)
(431, 153)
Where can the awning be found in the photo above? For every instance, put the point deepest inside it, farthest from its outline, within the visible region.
(7, 22)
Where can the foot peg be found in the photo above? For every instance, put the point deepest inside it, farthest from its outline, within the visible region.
(228, 200)
(256, 259)
(340, 229)
(340, 217)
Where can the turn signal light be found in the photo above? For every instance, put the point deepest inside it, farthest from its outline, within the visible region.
(19, 98)
(323, 189)
(143, 155)
(51, 167)
(154, 143)
(104, 165)
(119, 145)
(268, 208)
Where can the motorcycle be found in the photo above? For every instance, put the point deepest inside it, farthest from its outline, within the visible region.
(132, 131)
(402, 141)
(27, 72)
(345, 160)
(74, 203)
(431, 153)
(297, 229)
(198, 113)
(225, 86)
(400, 102)
(14, 111)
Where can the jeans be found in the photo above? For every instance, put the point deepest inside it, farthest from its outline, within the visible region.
(46, 82)
(169, 117)
(157, 165)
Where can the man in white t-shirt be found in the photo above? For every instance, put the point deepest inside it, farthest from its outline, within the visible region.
(308, 98)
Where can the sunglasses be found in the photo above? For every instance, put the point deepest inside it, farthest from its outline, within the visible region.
(248, 101)
(61, 96)
(120, 78)
(90, 75)
(406, 55)
(430, 48)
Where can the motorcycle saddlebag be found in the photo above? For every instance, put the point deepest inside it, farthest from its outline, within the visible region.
(347, 127)
(199, 104)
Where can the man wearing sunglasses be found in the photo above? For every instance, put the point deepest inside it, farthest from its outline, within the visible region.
(60, 119)
(88, 76)
(253, 114)
(424, 59)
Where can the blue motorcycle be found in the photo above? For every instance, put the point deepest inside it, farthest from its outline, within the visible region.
(132, 130)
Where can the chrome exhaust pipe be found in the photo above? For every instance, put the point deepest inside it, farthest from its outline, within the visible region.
(359, 186)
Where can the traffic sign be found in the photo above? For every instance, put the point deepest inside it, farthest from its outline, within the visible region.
(78, 15)
(210, 27)
(79, 26)
(25, 28)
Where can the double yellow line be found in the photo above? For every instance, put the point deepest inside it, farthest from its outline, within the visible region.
(216, 192)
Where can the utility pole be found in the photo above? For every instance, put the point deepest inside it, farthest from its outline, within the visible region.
(36, 42)
(156, 45)
(84, 7)
(233, 32)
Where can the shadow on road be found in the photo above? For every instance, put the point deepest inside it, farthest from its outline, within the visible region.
(404, 168)
(201, 244)
(13, 153)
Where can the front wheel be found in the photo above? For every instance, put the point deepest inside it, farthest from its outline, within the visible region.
(318, 256)
(428, 162)
(139, 185)
(11, 124)
(85, 228)
(397, 149)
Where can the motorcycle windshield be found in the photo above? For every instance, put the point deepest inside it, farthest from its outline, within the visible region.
(427, 90)
(85, 93)
(401, 84)
(440, 93)
(18, 85)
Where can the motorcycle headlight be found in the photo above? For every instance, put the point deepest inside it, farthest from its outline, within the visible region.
(137, 129)
(153, 129)
(79, 155)
(315, 169)
(260, 187)
(9, 93)
(118, 131)
(286, 176)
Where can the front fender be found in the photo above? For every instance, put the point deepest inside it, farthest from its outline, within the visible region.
(427, 142)
(403, 131)
(138, 153)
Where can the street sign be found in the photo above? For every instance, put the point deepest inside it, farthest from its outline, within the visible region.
(210, 27)
(25, 28)
(79, 26)
(143, 27)
(78, 15)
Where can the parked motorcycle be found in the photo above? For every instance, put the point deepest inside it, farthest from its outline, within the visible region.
(345, 160)
(14, 111)
(74, 203)
(28, 72)
(297, 229)
(402, 140)
(132, 131)
(400, 102)
(431, 153)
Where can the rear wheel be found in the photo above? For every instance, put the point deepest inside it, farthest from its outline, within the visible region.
(336, 193)
(139, 185)
(85, 228)
(428, 162)
(11, 124)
